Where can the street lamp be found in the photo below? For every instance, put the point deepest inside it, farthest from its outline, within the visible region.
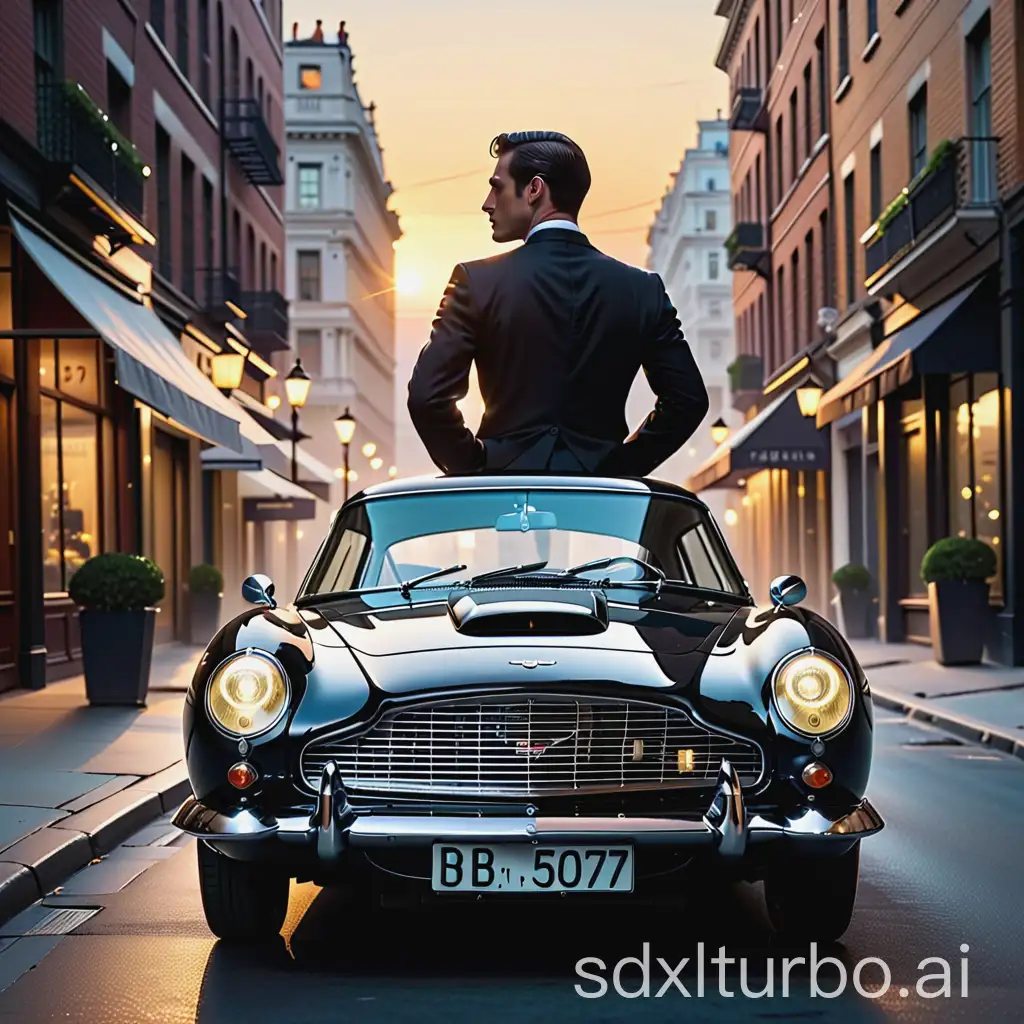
(296, 388)
(345, 425)
(808, 397)
(719, 431)
(227, 370)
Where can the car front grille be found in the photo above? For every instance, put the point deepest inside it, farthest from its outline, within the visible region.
(522, 748)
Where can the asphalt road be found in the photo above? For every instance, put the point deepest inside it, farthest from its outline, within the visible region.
(945, 872)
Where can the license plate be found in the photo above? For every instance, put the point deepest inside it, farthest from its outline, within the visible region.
(517, 867)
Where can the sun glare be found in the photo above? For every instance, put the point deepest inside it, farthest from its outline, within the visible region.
(409, 282)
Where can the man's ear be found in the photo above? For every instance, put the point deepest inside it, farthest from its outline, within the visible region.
(535, 189)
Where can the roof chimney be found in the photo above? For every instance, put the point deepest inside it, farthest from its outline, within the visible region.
(342, 34)
(295, 31)
(318, 32)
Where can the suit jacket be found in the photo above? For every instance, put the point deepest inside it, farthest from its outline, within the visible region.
(558, 332)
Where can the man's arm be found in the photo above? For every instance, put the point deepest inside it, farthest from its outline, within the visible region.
(441, 378)
(681, 398)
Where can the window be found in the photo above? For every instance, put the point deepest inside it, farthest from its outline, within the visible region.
(844, 41)
(825, 241)
(273, 271)
(974, 470)
(309, 276)
(872, 19)
(979, 70)
(208, 224)
(876, 181)
(713, 266)
(780, 318)
(188, 226)
(711, 185)
(236, 244)
(714, 310)
(769, 59)
(758, 213)
(203, 19)
(919, 131)
(309, 186)
(809, 290)
(794, 308)
(48, 58)
(250, 82)
(71, 460)
(823, 100)
(181, 35)
(715, 349)
(234, 67)
(794, 162)
(250, 258)
(851, 237)
(119, 100)
(310, 77)
(758, 81)
(165, 261)
(158, 18)
(779, 187)
(710, 220)
(263, 266)
(309, 351)
(779, 35)
(808, 116)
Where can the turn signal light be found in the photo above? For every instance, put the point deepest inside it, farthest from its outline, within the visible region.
(816, 775)
(241, 775)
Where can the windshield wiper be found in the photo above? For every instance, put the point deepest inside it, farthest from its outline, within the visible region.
(406, 585)
(508, 570)
(604, 563)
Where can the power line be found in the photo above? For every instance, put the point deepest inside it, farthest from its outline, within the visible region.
(622, 231)
(438, 181)
(623, 209)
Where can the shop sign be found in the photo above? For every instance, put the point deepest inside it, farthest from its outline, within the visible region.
(271, 510)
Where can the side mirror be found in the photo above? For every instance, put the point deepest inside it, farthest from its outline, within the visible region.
(259, 589)
(787, 590)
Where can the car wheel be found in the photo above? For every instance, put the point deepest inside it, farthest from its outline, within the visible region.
(812, 898)
(241, 900)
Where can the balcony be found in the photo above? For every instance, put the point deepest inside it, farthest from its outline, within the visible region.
(220, 294)
(250, 141)
(746, 378)
(79, 139)
(746, 249)
(947, 213)
(266, 323)
(748, 110)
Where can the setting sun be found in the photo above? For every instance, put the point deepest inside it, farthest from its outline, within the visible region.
(409, 282)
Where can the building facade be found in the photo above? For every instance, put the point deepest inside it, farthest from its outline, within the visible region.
(687, 249)
(776, 466)
(340, 266)
(926, 100)
(141, 239)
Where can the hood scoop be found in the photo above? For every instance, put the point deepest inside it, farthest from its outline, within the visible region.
(524, 612)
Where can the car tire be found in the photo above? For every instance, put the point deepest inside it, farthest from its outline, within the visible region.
(241, 900)
(812, 898)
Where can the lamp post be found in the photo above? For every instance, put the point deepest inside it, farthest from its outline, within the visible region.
(719, 430)
(296, 388)
(808, 397)
(227, 369)
(345, 425)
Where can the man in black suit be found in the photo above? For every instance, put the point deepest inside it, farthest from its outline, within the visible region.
(558, 332)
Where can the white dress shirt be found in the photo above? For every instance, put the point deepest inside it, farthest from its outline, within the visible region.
(568, 225)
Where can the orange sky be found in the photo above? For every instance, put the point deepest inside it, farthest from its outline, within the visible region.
(627, 79)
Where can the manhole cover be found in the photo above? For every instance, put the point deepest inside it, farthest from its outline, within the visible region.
(62, 921)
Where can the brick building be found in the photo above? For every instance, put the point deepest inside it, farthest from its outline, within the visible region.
(928, 175)
(777, 464)
(141, 242)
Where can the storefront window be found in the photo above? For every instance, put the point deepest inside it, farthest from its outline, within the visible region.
(974, 472)
(72, 503)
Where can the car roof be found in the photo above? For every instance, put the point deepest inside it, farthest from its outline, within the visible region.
(487, 481)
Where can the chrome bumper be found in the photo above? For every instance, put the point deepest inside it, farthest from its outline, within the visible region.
(334, 825)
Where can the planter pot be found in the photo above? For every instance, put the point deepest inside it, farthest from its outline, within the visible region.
(959, 616)
(856, 605)
(117, 648)
(204, 617)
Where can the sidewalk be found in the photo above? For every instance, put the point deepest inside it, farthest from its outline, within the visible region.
(982, 703)
(75, 781)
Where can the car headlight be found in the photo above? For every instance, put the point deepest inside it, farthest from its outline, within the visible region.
(813, 694)
(248, 694)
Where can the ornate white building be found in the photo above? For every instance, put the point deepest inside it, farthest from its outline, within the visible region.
(340, 267)
(687, 249)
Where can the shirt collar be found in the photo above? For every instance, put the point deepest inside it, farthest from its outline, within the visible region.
(566, 225)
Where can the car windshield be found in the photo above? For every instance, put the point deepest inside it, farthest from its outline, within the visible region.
(395, 538)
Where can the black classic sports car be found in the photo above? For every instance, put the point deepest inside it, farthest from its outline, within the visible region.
(512, 687)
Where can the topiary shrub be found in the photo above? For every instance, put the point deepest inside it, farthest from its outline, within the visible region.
(851, 577)
(116, 582)
(958, 558)
(205, 579)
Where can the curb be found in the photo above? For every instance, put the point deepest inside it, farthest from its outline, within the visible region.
(965, 728)
(34, 866)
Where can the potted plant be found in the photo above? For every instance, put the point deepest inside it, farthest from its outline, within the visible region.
(957, 570)
(853, 582)
(116, 595)
(206, 590)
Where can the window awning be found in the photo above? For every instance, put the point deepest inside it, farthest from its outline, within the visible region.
(266, 497)
(778, 437)
(313, 474)
(960, 335)
(263, 483)
(150, 362)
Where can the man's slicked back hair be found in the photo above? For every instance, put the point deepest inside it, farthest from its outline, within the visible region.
(552, 156)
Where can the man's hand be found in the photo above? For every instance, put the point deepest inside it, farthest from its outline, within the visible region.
(440, 379)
